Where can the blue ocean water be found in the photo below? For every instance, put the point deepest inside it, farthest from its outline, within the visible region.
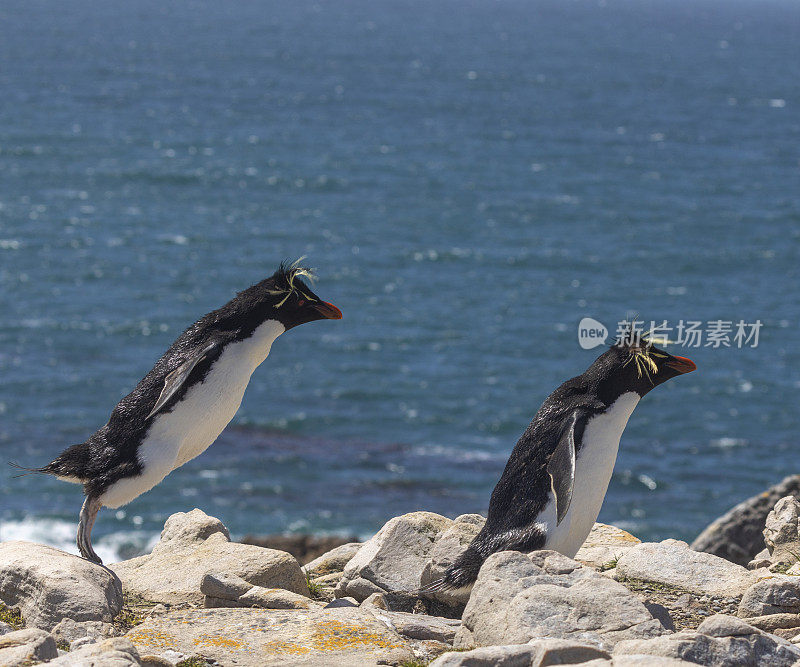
(469, 178)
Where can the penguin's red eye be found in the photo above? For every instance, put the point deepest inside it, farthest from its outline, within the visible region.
(301, 302)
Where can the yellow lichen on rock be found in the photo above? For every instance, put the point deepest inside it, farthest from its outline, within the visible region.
(339, 636)
(286, 648)
(150, 637)
(218, 641)
(243, 637)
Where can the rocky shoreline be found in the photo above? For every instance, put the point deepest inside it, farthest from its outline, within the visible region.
(200, 599)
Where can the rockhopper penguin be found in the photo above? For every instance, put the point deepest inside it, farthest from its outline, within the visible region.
(180, 407)
(554, 483)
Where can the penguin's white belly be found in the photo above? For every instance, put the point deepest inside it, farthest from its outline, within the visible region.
(593, 468)
(196, 421)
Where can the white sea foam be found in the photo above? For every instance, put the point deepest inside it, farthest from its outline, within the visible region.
(61, 535)
(728, 443)
(456, 454)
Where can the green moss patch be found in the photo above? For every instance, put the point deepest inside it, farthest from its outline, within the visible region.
(134, 612)
(11, 616)
(195, 661)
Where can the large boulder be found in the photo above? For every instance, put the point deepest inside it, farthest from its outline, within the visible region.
(520, 597)
(393, 560)
(26, 647)
(775, 594)
(719, 641)
(737, 534)
(673, 563)
(605, 545)
(49, 585)
(344, 637)
(192, 545)
(781, 534)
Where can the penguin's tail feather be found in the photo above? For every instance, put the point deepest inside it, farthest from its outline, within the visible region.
(460, 575)
(436, 586)
(70, 464)
(26, 471)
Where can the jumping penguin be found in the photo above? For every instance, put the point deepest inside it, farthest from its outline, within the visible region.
(180, 407)
(555, 481)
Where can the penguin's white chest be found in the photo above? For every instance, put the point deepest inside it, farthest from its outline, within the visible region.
(593, 467)
(196, 421)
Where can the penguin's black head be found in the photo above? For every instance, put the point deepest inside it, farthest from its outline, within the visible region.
(634, 363)
(284, 297)
(292, 300)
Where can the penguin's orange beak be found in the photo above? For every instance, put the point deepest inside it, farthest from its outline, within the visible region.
(328, 310)
(682, 364)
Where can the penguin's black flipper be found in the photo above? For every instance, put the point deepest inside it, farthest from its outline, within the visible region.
(175, 379)
(561, 468)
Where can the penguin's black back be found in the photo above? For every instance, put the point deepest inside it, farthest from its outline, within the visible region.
(524, 487)
(110, 453)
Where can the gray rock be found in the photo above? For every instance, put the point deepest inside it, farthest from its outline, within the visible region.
(564, 652)
(394, 558)
(737, 535)
(778, 594)
(274, 598)
(69, 630)
(194, 544)
(115, 652)
(224, 585)
(229, 590)
(781, 531)
(80, 642)
(637, 661)
(411, 603)
(722, 625)
(341, 602)
(333, 561)
(772, 622)
(721, 641)
(537, 653)
(5, 628)
(515, 655)
(673, 563)
(448, 546)
(520, 597)
(418, 626)
(48, 585)
(24, 647)
(266, 637)
(761, 559)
